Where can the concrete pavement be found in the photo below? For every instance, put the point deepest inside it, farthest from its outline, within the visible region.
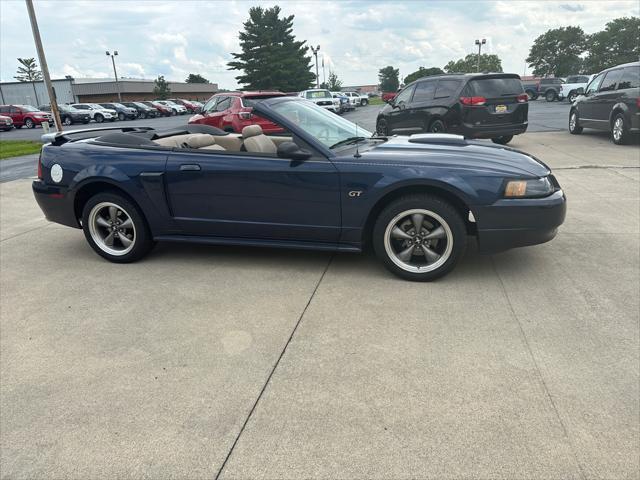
(248, 363)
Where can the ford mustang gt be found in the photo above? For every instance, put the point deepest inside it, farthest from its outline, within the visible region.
(323, 183)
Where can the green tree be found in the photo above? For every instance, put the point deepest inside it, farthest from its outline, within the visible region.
(422, 72)
(271, 57)
(161, 88)
(557, 52)
(618, 43)
(334, 82)
(469, 64)
(389, 79)
(196, 78)
(28, 70)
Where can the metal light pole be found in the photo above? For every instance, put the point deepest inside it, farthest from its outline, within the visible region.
(480, 43)
(115, 74)
(315, 53)
(324, 78)
(43, 65)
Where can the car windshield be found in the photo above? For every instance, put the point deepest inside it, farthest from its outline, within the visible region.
(319, 94)
(251, 101)
(141, 105)
(495, 87)
(318, 122)
(118, 105)
(29, 108)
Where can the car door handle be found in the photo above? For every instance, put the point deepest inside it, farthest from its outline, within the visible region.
(190, 167)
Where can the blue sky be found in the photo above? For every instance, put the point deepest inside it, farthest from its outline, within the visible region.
(357, 38)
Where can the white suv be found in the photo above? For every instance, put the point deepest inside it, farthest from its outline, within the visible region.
(322, 98)
(357, 99)
(98, 113)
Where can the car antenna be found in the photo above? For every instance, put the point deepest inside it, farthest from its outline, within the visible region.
(357, 154)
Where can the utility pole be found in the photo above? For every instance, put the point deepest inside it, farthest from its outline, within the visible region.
(43, 65)
(315, 53)
(115, 74)
(324, 78)
(480, 43)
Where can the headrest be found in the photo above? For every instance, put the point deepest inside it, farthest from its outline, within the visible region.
(251, 131)
(199, 140)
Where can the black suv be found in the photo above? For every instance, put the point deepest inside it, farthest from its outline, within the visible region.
(123, 112)
(143, 110)
(68, 114)
(475, 105)
(611, 102)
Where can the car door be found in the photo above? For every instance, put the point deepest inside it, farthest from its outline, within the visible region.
(254, 196)
(214, 118)
(399, 116)
(419, 107)
(606, 97)
(17, 116)
(586, 105)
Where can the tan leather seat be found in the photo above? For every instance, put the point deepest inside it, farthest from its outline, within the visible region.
(176, 141)
(257, 142)
(199, 140)
(231, 142)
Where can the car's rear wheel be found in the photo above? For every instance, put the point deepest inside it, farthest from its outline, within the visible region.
(574, 123)
(29, 123)
(115, 228)
(67, 120)
(550, 96)
(619, 130)
(437, 126)
(531, 95)
(502, 140)
(98, 118)
(572, 96)
(382, 129)
(419, 237)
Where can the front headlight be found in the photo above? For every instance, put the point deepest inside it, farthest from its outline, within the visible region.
(535, 188)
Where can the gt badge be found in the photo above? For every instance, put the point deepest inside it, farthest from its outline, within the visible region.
(355, 193)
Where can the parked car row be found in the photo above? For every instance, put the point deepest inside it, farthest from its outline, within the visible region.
(28, 116)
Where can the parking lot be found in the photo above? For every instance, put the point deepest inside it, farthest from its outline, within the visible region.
(207, 362)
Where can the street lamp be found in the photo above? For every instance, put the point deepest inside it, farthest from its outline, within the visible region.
(480, 43)
(115, 74)
(315, 53)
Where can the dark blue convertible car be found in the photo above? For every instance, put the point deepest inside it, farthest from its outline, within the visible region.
(323, 184)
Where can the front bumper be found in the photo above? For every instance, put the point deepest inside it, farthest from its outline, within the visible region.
(511, 223)
(55, 203)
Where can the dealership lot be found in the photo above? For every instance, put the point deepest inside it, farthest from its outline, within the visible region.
(282, 364)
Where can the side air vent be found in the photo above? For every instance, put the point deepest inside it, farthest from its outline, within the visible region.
(439, 138)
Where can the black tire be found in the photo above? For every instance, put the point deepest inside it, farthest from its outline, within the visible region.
(98, 118)
(433, 204)
(503, 140)
(67, 120)
(364, 102)
(572, 96)
(29, 123)
(143, 115)
(574, 123)
(620, 137)
(437, 126)
(550, 95)
(174, 112)
(381, 128)
(143, 242)
(121, 117)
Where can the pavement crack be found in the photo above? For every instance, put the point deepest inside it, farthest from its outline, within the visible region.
(25, 232)
(273, 369)
(537, 369)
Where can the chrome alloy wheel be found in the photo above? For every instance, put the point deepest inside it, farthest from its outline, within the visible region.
(618, 128)
(112, 229)
(418, 240)
(573, 121)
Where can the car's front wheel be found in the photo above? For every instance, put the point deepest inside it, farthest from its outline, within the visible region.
(364, 102)
(67, 120)
(619, 130)
(381, 128)
(502, 140)
(115, 228)
(98, 118)
(572, 97)
(121, 116)
(419, 237)
(437, 126)
(574, 123)
(29, 123)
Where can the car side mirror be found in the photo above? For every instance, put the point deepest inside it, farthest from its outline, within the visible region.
(292, 151)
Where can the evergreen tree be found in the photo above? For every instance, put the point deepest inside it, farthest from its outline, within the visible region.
(28, 71)
(271, 57)
(334, 83)
(388, 78)
(161, 88)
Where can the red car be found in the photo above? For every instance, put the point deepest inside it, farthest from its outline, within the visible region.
(232, 111)
(164, 110)
(25, 115)
(191, 107)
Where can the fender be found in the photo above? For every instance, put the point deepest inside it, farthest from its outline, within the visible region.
(620, 106)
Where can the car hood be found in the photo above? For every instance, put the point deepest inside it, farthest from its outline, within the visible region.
(400, 150)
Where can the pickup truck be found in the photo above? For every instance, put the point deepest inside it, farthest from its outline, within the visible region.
(549, 88)
(574, 85)
(531, 88)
